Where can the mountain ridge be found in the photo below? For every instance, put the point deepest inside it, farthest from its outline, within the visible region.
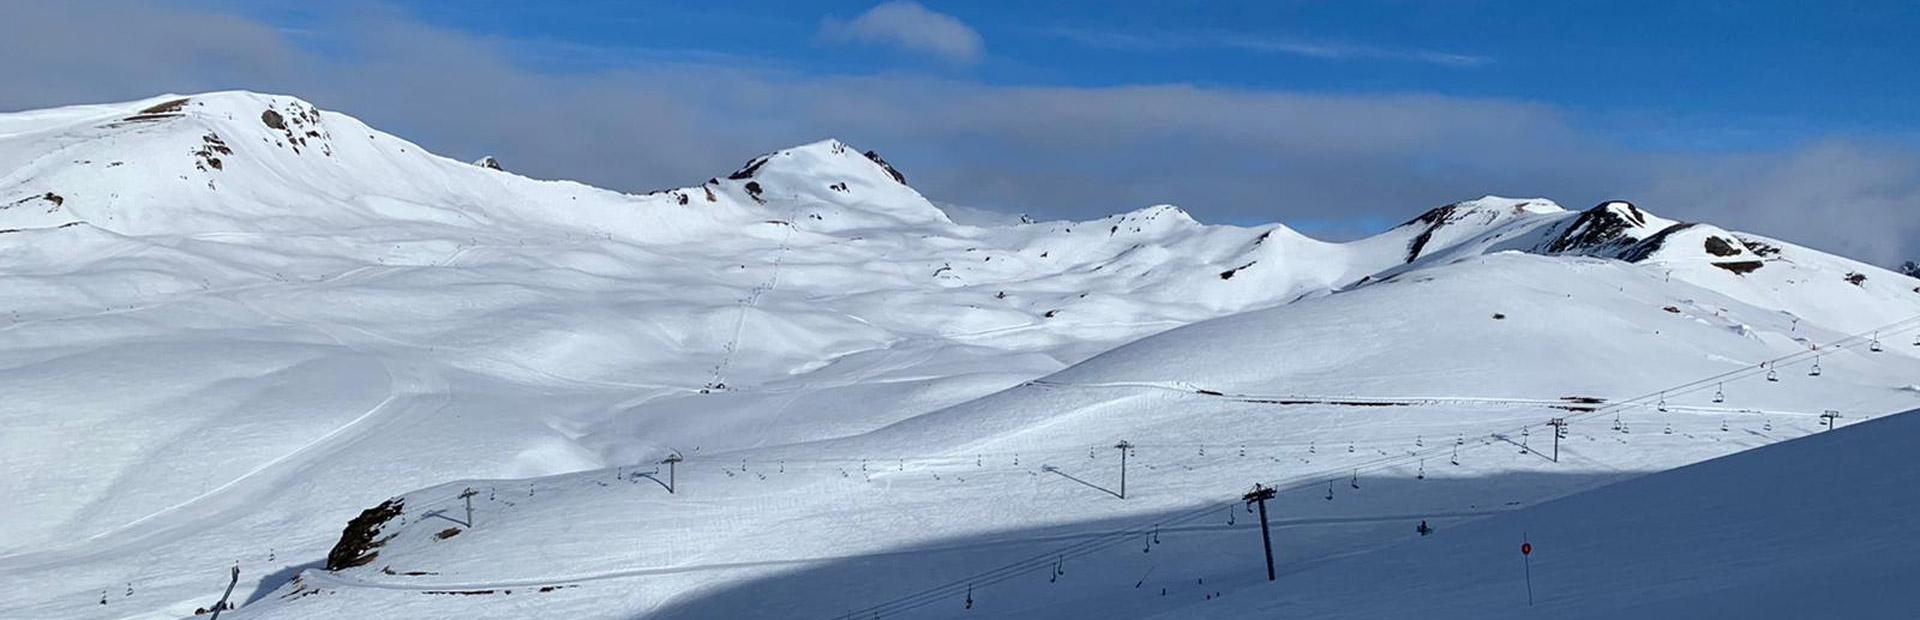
(249, 319)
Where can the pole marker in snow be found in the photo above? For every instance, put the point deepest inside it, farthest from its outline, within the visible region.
(1526, 555)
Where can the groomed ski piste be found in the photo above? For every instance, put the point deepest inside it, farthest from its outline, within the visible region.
(877, 412)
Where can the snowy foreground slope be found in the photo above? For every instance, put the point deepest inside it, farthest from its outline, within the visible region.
(233, 322)
(1819, 527)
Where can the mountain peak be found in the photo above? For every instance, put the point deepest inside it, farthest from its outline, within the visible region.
(834, 172)
(823, 156)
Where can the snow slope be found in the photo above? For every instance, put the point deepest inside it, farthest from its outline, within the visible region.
(1304, 396)
(233, 321)
(1814, 527)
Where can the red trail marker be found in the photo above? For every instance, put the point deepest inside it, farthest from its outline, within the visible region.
(1526, 555)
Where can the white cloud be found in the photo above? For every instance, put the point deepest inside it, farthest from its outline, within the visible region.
(906, 25)
(1260, 44)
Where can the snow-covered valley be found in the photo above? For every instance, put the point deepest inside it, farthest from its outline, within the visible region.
(233, 322)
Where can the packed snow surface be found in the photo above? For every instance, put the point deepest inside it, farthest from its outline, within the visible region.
(234, 321)
(1818, 527)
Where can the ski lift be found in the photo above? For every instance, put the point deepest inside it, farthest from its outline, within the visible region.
(1816, 368)
(1456, 455)
(1423, 470)
(1773, 376)
(969, 596)
(1356, 479)
(1875, 345)
(1663, 402)
(1229, 515)
(1719, 393)
(1669, 430)
(1329, 490)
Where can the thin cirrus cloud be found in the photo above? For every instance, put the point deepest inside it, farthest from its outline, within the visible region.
(1324, 50)
(907, 26)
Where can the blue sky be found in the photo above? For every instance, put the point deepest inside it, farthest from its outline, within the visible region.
(1682, 75)
(1793, 119)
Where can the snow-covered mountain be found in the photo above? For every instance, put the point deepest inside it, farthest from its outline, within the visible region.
(234, 321)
